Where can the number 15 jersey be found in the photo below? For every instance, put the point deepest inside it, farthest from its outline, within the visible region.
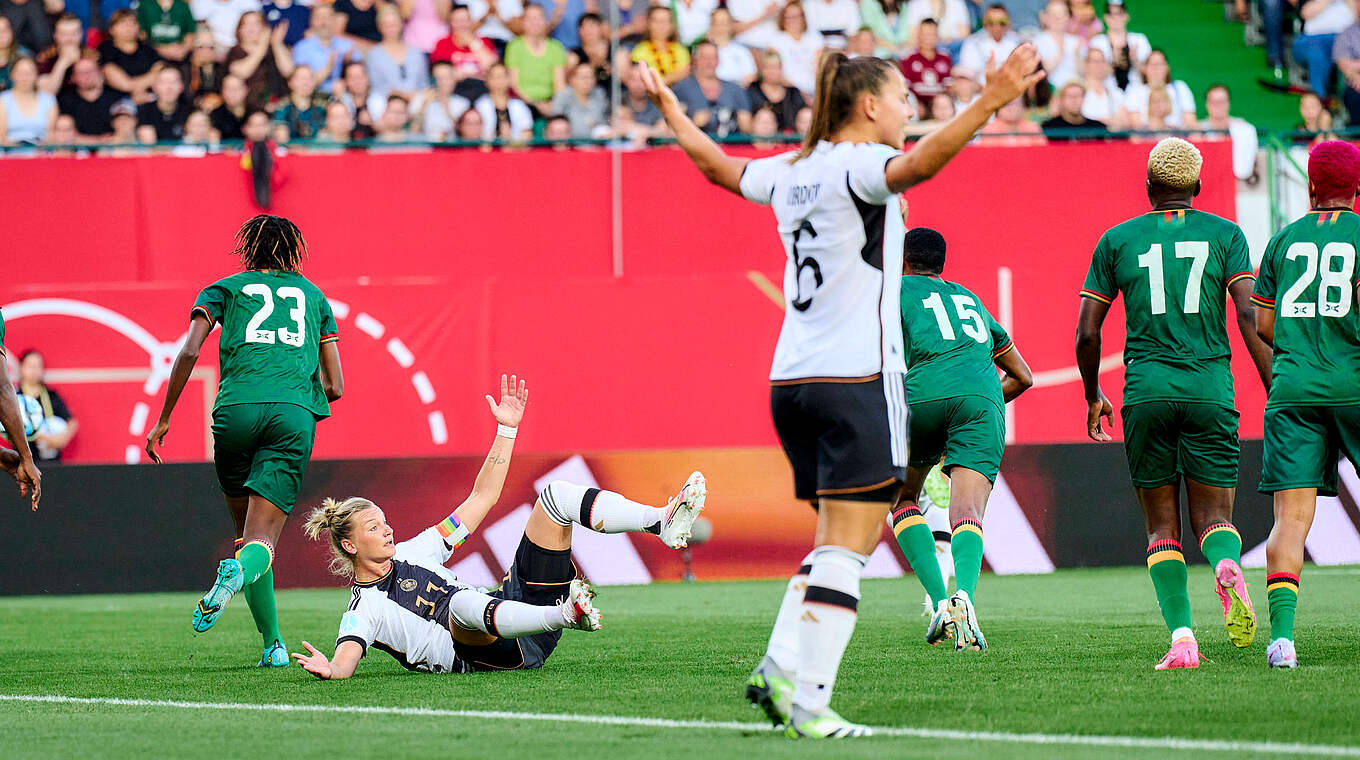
(273, 326)
(842, 233)
(1174, 268)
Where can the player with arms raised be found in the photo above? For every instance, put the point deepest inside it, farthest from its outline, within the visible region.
(1173, 266)
(837, 398)
(1305, 299)
(19, 461)
(280, 369)
(957, 410)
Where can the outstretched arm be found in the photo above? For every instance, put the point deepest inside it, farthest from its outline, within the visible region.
(717, 167)
(1017, 378)
(18, 463)
(1261, 353)
(486, 490)
(342, 666)
(199, 327)
(1089, 322)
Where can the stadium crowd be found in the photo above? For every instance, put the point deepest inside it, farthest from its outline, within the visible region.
(174, 72)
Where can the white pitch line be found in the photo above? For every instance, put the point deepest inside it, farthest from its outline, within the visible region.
(1133, 742)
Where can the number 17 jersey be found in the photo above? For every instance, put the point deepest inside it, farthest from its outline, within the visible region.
(273, 326)
(1174, 268)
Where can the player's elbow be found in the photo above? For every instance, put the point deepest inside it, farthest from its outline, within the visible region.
(1087, 338)
(1024, 379)
(334, 389)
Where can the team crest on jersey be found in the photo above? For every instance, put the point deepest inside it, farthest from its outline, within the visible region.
(408, 584)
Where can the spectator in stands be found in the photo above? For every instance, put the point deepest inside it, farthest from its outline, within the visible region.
(941, 108)
(198, 134)
(442, 107)
(1024, 14)
(717, 107)
(123, 117)
(470, 127)
(63, 133)
(322, 49)
(1104, 101)
(996, 41)
(492, 19)
(29, 21)
(1069, 118)
(504, 116)
(229, 117)
(802, 121)
(1272, 22)
(595, 52)
(890, 24)
(469, 55)
(1157, 73)
(394, 125)
(202, 72)
(10, 51)
(624, 132)
(1084, 22)
(753, 22)
(927, 69)
(735, 61)
(426, 23)
(862, 43)
(303, 112)
(162, 120)
(798, 49)
(964, 86)
(222, 17)
(88, 101)
(1315, 123)
(557, 130)
(363, 104)
(130, 65)
(68, 46)
(361, 22)
(1323, 20)
(953, 24)
(261, 59)
(26, 113)
(692, 18)
(1011, 129)
(589, 28)
(168, 26)
(1346, 56)
(1158, 120)
(771, 91)
(1126, 51)
(395, 67)
(835, 20)
(1217, 104)
(644, 114)
(1059, 50)
(764, 125)
(59, 425)
(565, 14)
(296, 17)
(583, 104)
(537, 64)
(339, 124)
(659, 48)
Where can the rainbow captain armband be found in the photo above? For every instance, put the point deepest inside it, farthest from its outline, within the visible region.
(453, 531)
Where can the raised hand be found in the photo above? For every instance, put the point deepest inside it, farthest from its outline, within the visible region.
(1016, 75)
(514, 396)
(657, 90)
(1095, 411)
(314, 662)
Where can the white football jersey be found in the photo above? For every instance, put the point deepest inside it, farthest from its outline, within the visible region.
(842, 233)
(405, 613)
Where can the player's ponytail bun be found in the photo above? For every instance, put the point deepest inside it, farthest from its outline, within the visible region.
(333, 518)
(840, 82)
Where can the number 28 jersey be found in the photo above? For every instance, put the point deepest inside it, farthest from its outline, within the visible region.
(1174, 268)
(842, 233)
(1308, 276)
(273, 326)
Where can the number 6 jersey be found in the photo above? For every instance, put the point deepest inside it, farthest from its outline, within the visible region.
(842, 234)
(273, 326)
(1174, 268)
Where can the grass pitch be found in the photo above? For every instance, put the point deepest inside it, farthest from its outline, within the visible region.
(1071, 656)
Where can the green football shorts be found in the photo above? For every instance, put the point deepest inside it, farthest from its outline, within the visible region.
(1165, 440)
(263, 449)
(1302, 445)
(969, 431)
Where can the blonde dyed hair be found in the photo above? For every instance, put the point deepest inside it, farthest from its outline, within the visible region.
(334, 519)
(1174, 163)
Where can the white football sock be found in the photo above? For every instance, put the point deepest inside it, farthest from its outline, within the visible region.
(476, 611)
(783, 646)
(826, 623)
(600, 511)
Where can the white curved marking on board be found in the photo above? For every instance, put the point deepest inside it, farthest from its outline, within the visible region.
(370, 326)
(132, 454)
(423, 387)
(439, 432)
(400, 353)
(339, 308)
(1072, 374)
(139, 414)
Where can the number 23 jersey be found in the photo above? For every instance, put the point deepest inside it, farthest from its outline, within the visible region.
(842, 230)
(1308, 277)
(1174, 268)
(273, 326)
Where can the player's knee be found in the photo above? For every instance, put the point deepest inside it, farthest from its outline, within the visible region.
(554, 502)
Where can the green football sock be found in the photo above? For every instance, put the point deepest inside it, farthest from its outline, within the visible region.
(966, 546)
(918, 546)
(1282, 589)
(1221, 541)
(260, 597)
(1166, 565)
(255, 557)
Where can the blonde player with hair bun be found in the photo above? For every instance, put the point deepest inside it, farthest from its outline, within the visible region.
(407, 603)
(1176, 267)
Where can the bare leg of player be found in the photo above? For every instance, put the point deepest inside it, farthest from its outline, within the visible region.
(1294, 509)
(1211, 520)
(1166, 566)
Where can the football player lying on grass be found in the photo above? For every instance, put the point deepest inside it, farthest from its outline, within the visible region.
(406, 603)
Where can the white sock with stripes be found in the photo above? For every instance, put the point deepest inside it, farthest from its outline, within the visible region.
(783, 646)
(600, 511)
(826, 623)
(476, 611)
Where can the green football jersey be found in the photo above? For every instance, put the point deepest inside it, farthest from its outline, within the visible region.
(1308, 276)
(1174, 269)
(2, 333)
(951, 341)
(273, 326)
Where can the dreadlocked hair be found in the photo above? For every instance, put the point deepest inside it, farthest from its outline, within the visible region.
(270, 242)
(840, 83)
